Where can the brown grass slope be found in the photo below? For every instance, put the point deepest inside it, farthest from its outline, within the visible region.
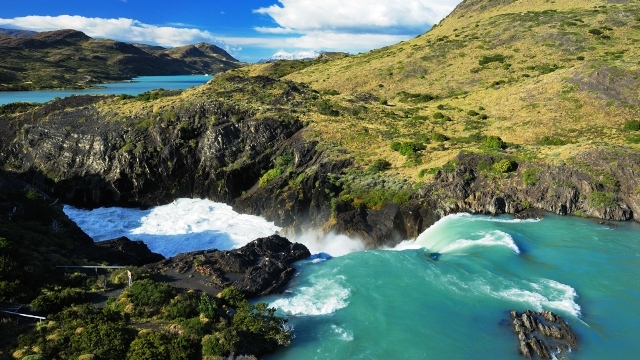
(563, 69)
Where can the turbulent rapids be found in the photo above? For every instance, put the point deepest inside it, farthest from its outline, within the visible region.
(346, 302)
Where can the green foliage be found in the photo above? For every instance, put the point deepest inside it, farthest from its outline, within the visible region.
(505, 166)
(487, 59)
(437, 137)
(326, 108)
(149, 345)
(157, 94)
(104, 340)
(438, 115)
(543, 69)
(406, 148)
(148, 297)
(415, 98)
(530, 177)
(631, 125)
(207, 306)
(599, 199)
(449, 167)
(269, 175)
(52, 302)
(384, 102)
(232, 296)
(551, 141)
(378, 166)
(183, 306)
(472, 113)
(494, 143)
(595, 32)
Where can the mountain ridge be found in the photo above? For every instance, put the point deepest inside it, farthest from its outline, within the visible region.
(71, 59)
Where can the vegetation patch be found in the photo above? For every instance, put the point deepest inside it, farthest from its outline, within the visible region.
(531, 176)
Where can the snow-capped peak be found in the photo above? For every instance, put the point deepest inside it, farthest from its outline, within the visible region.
(284, 55)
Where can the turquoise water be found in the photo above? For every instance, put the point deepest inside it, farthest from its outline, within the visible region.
(136, 86)
(401, 304)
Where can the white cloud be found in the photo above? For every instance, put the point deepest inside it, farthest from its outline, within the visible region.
(358, 15)
(354, 25)
(119, 29)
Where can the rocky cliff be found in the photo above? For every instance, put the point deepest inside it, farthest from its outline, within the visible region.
(106, 151)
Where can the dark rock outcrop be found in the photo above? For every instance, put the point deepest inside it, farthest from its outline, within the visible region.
(259, 268)
(542, 334)
(120, 251)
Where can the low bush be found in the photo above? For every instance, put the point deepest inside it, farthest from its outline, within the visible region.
(378, 166)
(269, 175)
(53, 302)
(505, 166)
(494, 143)
(406, 148)
(551, 141)
(631, 125)
(487, 59)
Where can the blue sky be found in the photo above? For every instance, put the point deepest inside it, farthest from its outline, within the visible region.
(249, 30)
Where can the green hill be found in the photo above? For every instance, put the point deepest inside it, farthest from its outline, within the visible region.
(71, 59)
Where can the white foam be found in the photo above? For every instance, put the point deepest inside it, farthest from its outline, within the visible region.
(323, 297)
(182, 226)
(331, 243)
(343, 334)
(490, 238)
(543, 294)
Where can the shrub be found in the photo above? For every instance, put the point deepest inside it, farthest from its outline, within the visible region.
(54, 301)
(149, 345)
(183, 306)
(494, 143)
(406, 148)
(207, 306)
(530, 176)
(472, 113)
(379, 165)
(487, 59)
(325, 108)
(148, 296)
(269, 175)
(384, 101)
(551, 141)
(631, 125)
(505, 166)
(105, 340)
(232, 296)
(438, 115)
(598, 199)
(595, 32)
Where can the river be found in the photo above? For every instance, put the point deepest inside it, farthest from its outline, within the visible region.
(401, 304)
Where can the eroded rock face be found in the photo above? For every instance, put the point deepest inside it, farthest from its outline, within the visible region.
(542, 334)
(259, 268)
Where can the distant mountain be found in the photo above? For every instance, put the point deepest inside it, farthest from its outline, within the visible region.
(283, 55)
(71, 59)
(13, 33)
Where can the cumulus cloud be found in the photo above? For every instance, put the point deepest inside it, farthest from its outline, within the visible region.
(355, 25)
(376, 16)
(119, 29)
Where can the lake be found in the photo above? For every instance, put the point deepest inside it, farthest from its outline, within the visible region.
(134, 87)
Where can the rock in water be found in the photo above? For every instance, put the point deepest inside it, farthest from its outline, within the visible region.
(542, 334)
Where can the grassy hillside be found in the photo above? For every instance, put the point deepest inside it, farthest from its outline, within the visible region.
(552, 78)
(71, 59)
